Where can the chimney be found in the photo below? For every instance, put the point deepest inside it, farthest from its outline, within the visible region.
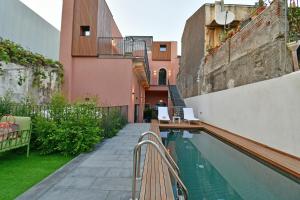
(218, 8)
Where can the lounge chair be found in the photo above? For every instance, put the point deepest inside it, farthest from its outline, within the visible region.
(163, 114)
(189, 115)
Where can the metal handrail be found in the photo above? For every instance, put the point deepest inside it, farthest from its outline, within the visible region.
(163, 147)
(173, 172)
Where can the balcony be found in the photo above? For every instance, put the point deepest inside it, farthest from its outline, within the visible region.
(128, 47)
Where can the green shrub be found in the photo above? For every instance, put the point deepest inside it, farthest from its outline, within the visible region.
(112, 122)
(70, 129)
(44, 135)
(5, 104)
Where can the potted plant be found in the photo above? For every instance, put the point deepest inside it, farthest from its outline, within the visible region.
(148, 113)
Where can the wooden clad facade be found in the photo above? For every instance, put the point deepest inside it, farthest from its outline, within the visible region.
(85, 15)
(158, 55)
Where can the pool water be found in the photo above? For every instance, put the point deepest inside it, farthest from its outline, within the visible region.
(213, 170)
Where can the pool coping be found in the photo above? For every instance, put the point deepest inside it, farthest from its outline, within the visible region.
(284, 162)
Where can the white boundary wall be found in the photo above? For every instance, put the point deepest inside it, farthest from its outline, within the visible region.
(267, 112)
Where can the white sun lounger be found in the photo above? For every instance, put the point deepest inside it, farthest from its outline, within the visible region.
(189, 115)
(163, 114)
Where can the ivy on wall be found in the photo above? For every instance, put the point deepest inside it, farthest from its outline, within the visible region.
(11, 52)
(294, 23)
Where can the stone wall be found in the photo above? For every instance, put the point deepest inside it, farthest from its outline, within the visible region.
(257, 52)
(18, 81)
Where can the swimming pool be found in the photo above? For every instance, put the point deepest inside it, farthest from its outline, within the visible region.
(213, 170)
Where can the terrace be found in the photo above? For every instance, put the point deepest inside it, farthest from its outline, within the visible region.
(135, 48)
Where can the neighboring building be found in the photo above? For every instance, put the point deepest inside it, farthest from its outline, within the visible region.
(100, 62)
(254, 52)
(201, 32)
(23, 26)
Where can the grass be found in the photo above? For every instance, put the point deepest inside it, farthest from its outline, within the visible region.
(18, 173)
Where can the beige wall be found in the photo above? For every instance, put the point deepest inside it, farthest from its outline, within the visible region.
(267, 112)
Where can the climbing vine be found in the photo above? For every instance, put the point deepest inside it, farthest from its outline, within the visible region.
(294, 23)
(11, 52)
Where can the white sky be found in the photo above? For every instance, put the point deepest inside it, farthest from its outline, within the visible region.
(163, 19)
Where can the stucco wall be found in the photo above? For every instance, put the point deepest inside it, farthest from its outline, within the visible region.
(20, 90)
(21, 25)
(267, 112)
(108, 79)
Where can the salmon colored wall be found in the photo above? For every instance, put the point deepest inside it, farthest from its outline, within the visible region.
(65, 55)
(172, 67)
(153, 97)
(108, 79)
(138, 97)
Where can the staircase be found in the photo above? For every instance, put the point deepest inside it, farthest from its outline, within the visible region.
(176, 99)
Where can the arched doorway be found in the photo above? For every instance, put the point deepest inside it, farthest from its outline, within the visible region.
(162, 77)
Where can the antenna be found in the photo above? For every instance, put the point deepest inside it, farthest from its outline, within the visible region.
(225, 17)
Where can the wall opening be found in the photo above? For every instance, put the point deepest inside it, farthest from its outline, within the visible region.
(85, 31)
(163, 48)
(162, 79)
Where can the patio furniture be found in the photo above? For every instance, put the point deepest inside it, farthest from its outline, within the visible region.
(163, 114)
(189, 115)
(176, 118)
(17, 138)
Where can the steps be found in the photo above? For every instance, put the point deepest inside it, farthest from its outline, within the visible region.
(177, 100)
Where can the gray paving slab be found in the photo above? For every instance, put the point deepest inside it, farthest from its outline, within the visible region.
(105, 173)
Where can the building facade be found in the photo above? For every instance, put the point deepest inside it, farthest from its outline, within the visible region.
(99, 62)
(202, 33)
(23, 26)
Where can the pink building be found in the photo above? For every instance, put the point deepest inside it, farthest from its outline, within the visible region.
(119, 71)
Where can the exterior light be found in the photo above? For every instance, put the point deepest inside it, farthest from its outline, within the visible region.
(113, 43)
(154, 72)
(170, 73)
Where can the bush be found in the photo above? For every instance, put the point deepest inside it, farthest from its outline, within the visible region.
(5, 104)
(69, 129)
(112, 122)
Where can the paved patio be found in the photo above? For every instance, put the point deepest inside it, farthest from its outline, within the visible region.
(104, 174)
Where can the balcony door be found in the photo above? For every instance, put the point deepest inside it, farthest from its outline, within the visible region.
(162, 77)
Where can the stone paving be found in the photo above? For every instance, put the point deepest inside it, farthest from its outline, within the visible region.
(104, 174)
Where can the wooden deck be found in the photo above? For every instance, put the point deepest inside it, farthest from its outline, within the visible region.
(156, 182)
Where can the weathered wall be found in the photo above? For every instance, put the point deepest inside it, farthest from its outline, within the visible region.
(263, 63)
(20, 24)
(258, 52)
(10, 83)
(267, 112)
(193, 48)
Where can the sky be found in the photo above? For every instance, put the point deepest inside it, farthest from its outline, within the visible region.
(162, 19)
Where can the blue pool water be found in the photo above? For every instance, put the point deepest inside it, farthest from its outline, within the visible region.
(213, 170)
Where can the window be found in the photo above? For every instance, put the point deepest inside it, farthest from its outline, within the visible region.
(163, 48)
(162, 79)
(85, 31)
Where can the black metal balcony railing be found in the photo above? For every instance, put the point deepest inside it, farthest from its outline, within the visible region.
(125, 47)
